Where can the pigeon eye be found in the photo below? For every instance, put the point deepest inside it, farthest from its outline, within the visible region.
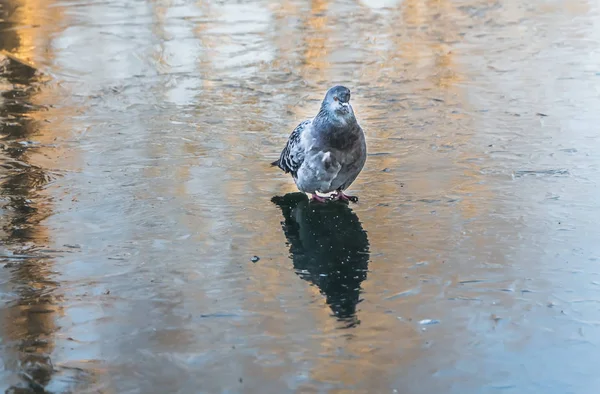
(335, 98)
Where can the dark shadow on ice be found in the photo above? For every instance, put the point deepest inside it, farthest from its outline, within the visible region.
(329, 248)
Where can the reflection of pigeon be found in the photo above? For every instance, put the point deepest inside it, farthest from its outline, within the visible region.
(325, 154)
(329, 248)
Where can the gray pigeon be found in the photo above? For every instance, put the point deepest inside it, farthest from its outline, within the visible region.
(325, 154)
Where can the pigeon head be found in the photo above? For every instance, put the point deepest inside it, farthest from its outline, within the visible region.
(337, 101)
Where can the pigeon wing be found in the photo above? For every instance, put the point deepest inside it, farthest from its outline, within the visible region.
(292, 155)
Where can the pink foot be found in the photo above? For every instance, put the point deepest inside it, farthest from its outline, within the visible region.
(344, 197)
(317, 198)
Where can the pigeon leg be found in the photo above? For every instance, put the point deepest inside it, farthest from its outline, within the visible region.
(317, 198)
(344, 197)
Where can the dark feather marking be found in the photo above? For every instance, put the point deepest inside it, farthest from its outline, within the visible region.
(291, 157)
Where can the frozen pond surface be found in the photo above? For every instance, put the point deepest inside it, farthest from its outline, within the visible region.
(135, 193)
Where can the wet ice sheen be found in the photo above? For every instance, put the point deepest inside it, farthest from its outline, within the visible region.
(135, 192)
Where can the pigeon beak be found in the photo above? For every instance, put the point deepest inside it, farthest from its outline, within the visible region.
(345, 107)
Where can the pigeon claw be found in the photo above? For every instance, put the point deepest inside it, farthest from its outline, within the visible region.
(317, 198)
(344, 197)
